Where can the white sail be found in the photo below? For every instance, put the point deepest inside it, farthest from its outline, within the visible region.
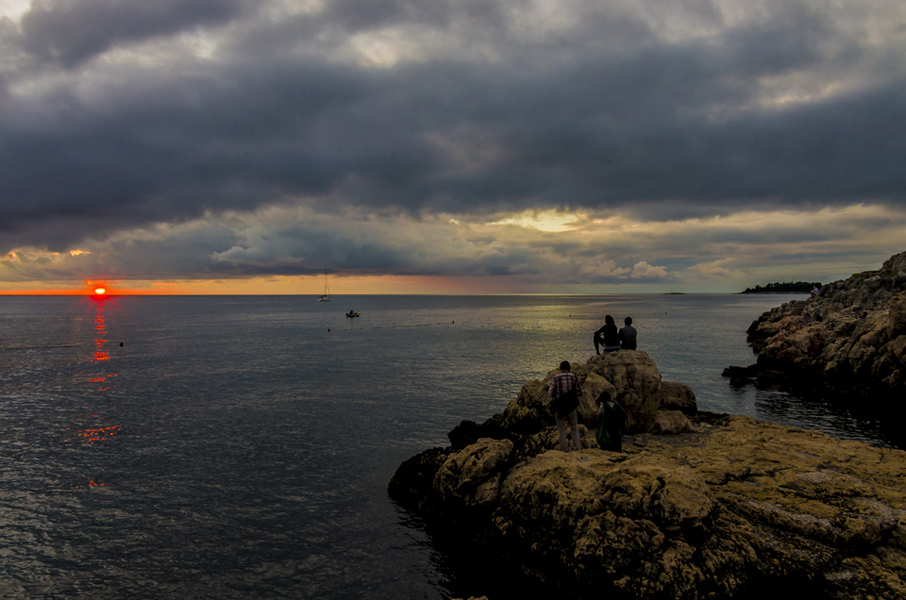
(325, 297)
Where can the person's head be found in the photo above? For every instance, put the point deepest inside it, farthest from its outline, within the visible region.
(609, 320)
(628, 320)
(564, 366)
(604, 397)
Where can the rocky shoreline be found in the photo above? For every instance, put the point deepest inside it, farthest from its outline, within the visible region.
(697, 506)
(850, 338)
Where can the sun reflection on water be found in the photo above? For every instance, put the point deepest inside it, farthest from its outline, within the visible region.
(100, 328)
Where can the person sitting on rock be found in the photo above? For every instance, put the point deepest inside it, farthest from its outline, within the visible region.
(565, 390)
(607, 336)
(627, 335)
(610, 428)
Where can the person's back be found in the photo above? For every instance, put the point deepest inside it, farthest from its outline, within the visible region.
(628, 335)
(564, 383)
(612, 418)
(607, 336)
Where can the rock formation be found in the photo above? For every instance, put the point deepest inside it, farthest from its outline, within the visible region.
(630, 376)
(728, 504)
(850, 337)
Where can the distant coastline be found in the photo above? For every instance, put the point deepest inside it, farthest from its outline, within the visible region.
(793, 287)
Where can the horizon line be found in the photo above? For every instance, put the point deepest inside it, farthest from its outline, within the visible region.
(310, 295)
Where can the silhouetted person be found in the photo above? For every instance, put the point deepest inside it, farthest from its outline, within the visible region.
(627, 335)
(607, 336)
(610, 429)
(565, 388)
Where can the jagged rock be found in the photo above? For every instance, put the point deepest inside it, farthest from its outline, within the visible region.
(734, 502)
(851, 337)
(636, 381)
(469, 432)
(414, 479)
(676, 396)
(471, 477)
(671, 422)
(547, 439)
(630, 376)
(706, 513)
(897, 315)
(740, 376)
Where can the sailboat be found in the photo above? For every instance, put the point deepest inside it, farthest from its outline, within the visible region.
(325, 297)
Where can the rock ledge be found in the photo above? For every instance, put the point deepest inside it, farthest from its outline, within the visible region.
(850, 338)
(731, 504)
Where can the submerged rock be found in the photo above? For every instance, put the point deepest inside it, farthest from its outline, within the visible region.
(850, 337)
(729, 504)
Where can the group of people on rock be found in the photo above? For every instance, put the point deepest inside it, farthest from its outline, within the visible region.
(565, 390)
(612, 340)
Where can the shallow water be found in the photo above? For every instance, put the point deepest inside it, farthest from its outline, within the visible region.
(240, 447)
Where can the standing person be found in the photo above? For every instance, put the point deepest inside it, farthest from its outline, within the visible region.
(610, 428)
(627, 335)
(607, 336)
(565, 391)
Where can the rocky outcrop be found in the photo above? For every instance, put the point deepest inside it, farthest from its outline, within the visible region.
(676, 396)
(671, 422)
(722, 506)
(706, 514)
(850, 337)
(631, 378)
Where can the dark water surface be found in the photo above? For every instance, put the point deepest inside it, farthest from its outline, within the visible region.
(233, 447)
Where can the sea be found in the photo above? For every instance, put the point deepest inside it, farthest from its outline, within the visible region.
(241, 446)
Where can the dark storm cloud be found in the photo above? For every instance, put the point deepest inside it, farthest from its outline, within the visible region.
(173, 153)
(611, 115)
(357, 15)
(72, 31)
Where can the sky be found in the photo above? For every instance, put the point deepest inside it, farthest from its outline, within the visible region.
(449, 146)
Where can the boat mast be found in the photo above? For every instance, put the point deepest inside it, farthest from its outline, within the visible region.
(325, 297)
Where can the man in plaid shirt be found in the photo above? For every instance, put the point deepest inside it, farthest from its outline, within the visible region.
(562, 383)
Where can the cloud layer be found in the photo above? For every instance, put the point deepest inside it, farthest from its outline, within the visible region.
(277, 137)
(532, 252)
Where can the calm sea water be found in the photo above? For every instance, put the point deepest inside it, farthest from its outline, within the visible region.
(240, 447)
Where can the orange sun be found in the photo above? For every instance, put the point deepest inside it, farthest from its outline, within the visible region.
(98, 289)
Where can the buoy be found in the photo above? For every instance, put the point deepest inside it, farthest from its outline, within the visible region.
(328, 329)
(121, 344)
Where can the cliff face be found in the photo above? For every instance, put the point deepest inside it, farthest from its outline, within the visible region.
(852, 336)
(709, 513)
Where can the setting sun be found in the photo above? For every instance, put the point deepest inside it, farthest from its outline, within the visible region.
(98, 289)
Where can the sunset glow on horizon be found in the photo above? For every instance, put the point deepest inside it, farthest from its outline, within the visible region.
(599, 148)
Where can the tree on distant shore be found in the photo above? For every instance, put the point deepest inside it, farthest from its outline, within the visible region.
(790, 287)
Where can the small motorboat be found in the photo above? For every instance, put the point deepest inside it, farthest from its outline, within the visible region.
(352, 314)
